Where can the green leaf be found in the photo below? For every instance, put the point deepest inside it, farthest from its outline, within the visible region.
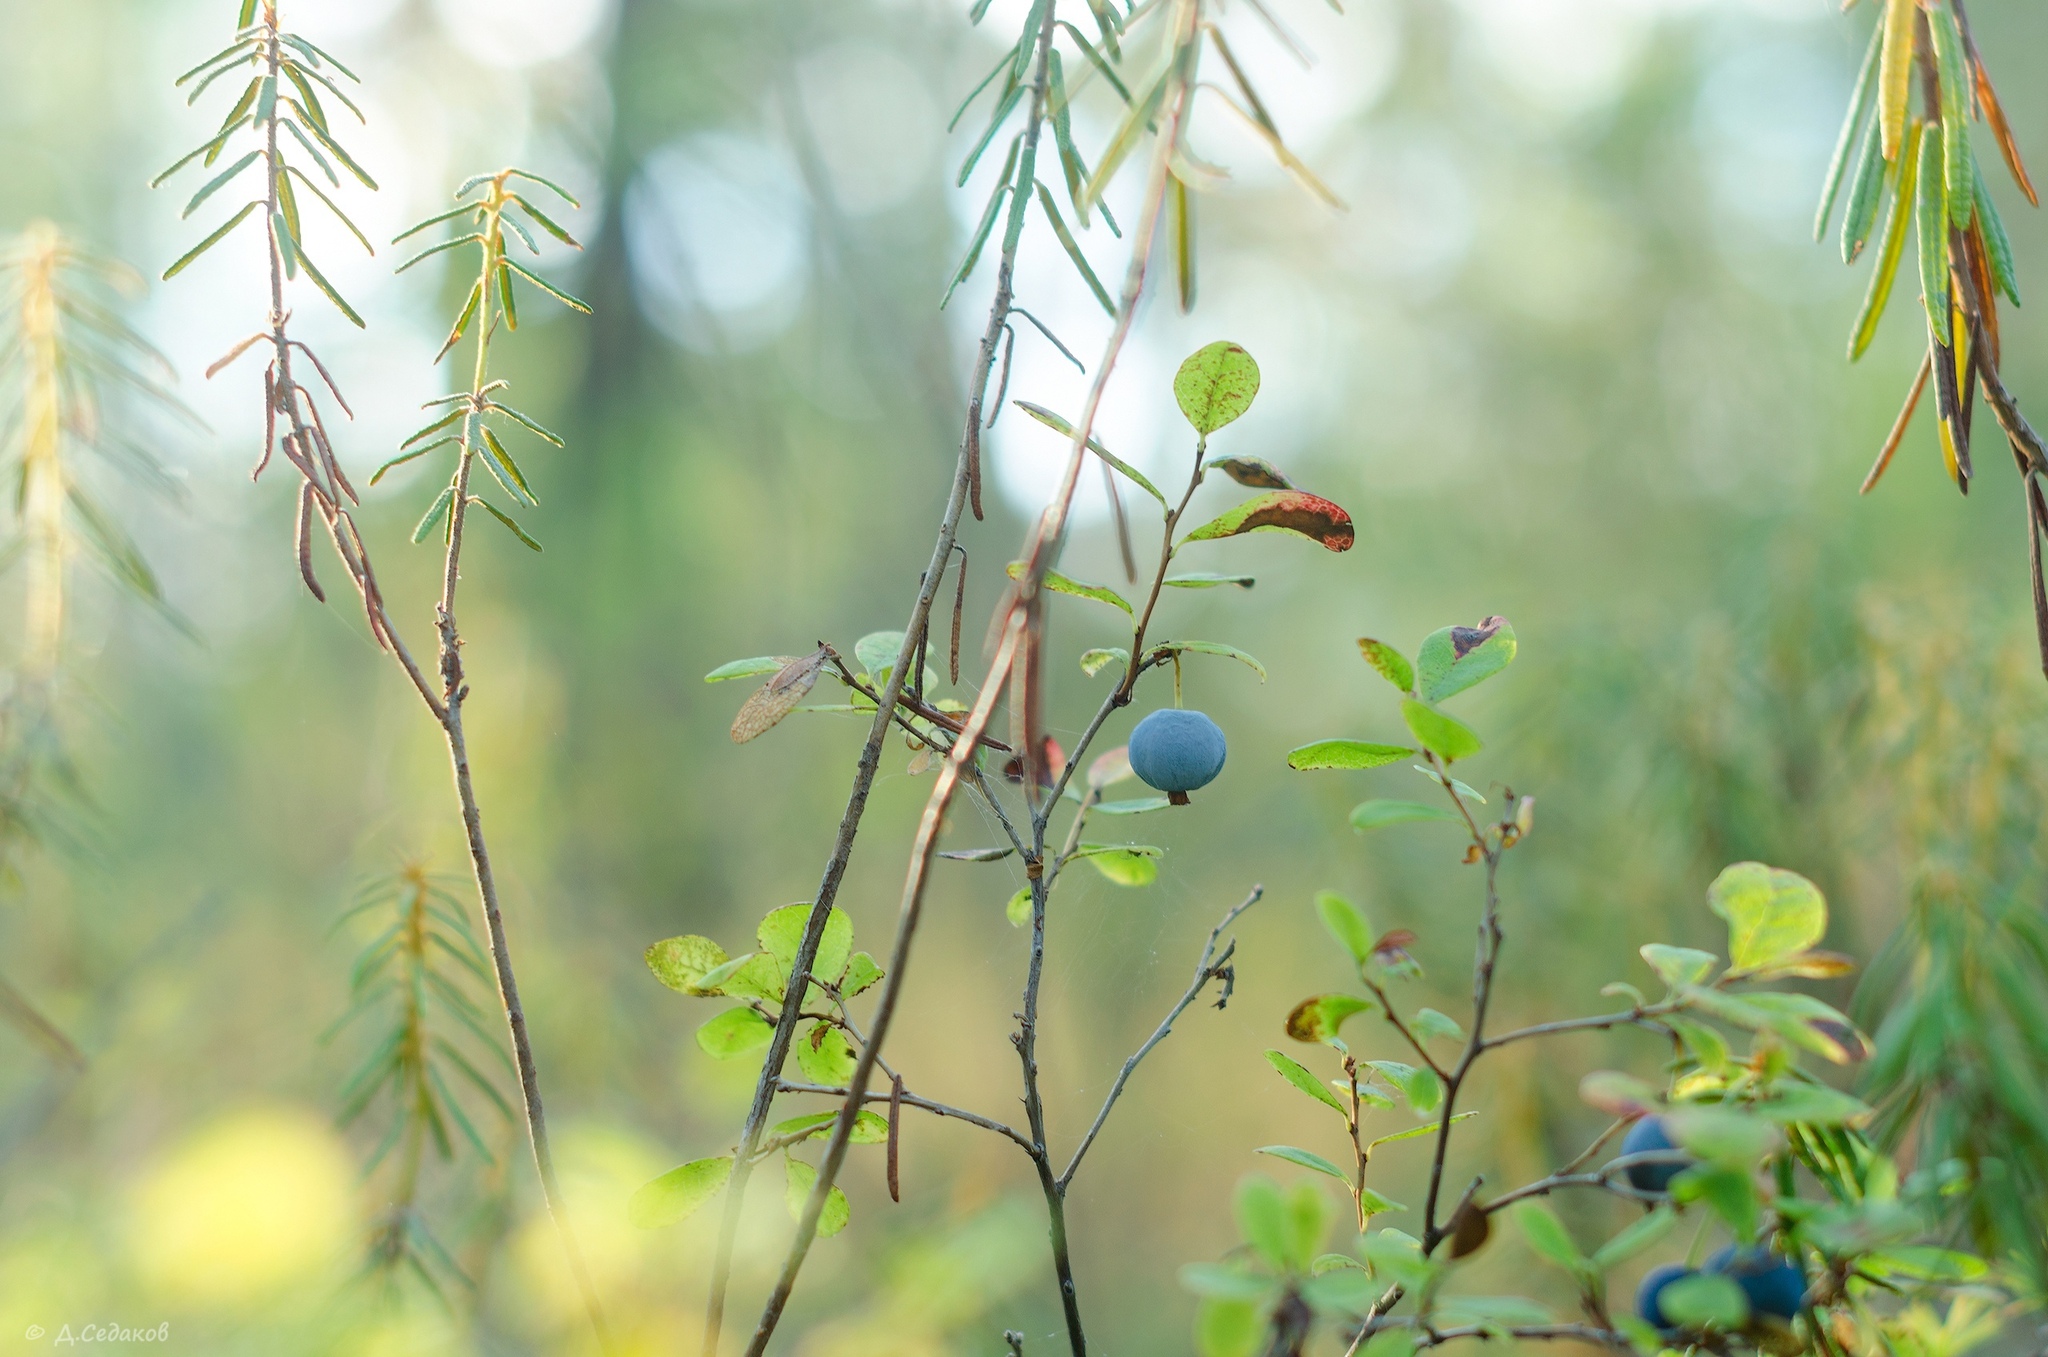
(1073, 249)
(1735, 1139)
(1305, 1159)
(1308, 1220)
(203, 246)
(982, 229)
(1060, 424)
(1440, 733)
(800, 1178)
(1061, 584)
(1638, 1236)
(510, 524)
(505, 470)
(862, 972)
(1465, 790)
(1997, 247)
(1418, 1084)
(1391, 664)
(736, 669)
(782, 932)
(1397, 1257)
(1215, 385)
(1549, 1238)
(1704, 1300)
(1018, 911)
(1095, 661)
(1296, 1074)
(1930, 224)
(1677, 966)
(1222, 1279)
(678, 1194)
(713, 980)
(1415, 1132)
(1346, 923)
(1123, 139)
(1202, 579)
(1956, 99)
(1866, 195)
(1294, 511)
(340, 303)
(1319, 1018)
(1348, 754)
(1771, 913)
(876, 653)
(334, 148)
(1256, 472)
(1135, 806)
(544, 285)
(1124, 864)
(528, 424)
(1887, 267)
(1813, 1105)
(1456, 658)
(1430, 1024)
(734, 1033)
(758, 977)
(433, 514)
(680, 963)
(1165, 648)
(1226, 1327)
(214, 184)
(1859, 108)
(1262, 1218)
(1378, 814)
(824, 1055)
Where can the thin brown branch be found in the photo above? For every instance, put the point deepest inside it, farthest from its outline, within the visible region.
(910, 1099)
(1206, 969)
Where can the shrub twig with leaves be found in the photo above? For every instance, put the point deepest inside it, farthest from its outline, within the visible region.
(1030, 77)
(1825, 1231)
(417, 968)
(1921, 155)
(285, 74)
(69, 368)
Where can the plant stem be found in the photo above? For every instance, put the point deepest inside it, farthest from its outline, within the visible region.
(1026, 1041)
(1016, 634)
(454, 691)
(1206, 970)
(324, 487)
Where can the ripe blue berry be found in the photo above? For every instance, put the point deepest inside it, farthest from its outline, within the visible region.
(1643, 1137)
(1652, 1290)
(1774, 1285)
(1175, 751)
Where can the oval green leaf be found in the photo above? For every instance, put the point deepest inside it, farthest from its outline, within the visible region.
(1216, 384)
(1348, 754)
(677, 1194)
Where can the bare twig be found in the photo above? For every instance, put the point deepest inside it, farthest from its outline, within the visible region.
(1206, 969)
(910, 1099)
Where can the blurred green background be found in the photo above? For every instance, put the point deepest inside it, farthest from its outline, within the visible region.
(1570, 356)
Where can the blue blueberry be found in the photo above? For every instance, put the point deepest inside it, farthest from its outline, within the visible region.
(1651, 1292)
(1175, 751)
(1773, 1283)
(1645, 1136)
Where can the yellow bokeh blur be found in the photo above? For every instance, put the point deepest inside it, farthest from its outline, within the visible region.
(247, 1205)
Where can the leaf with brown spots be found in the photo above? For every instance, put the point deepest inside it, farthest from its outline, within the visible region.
(1295, 511)
(778, 697)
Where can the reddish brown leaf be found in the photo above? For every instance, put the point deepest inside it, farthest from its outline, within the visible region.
(1294, 511)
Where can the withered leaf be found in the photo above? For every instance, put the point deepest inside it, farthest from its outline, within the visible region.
(778, 697)
(1470, 1228)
